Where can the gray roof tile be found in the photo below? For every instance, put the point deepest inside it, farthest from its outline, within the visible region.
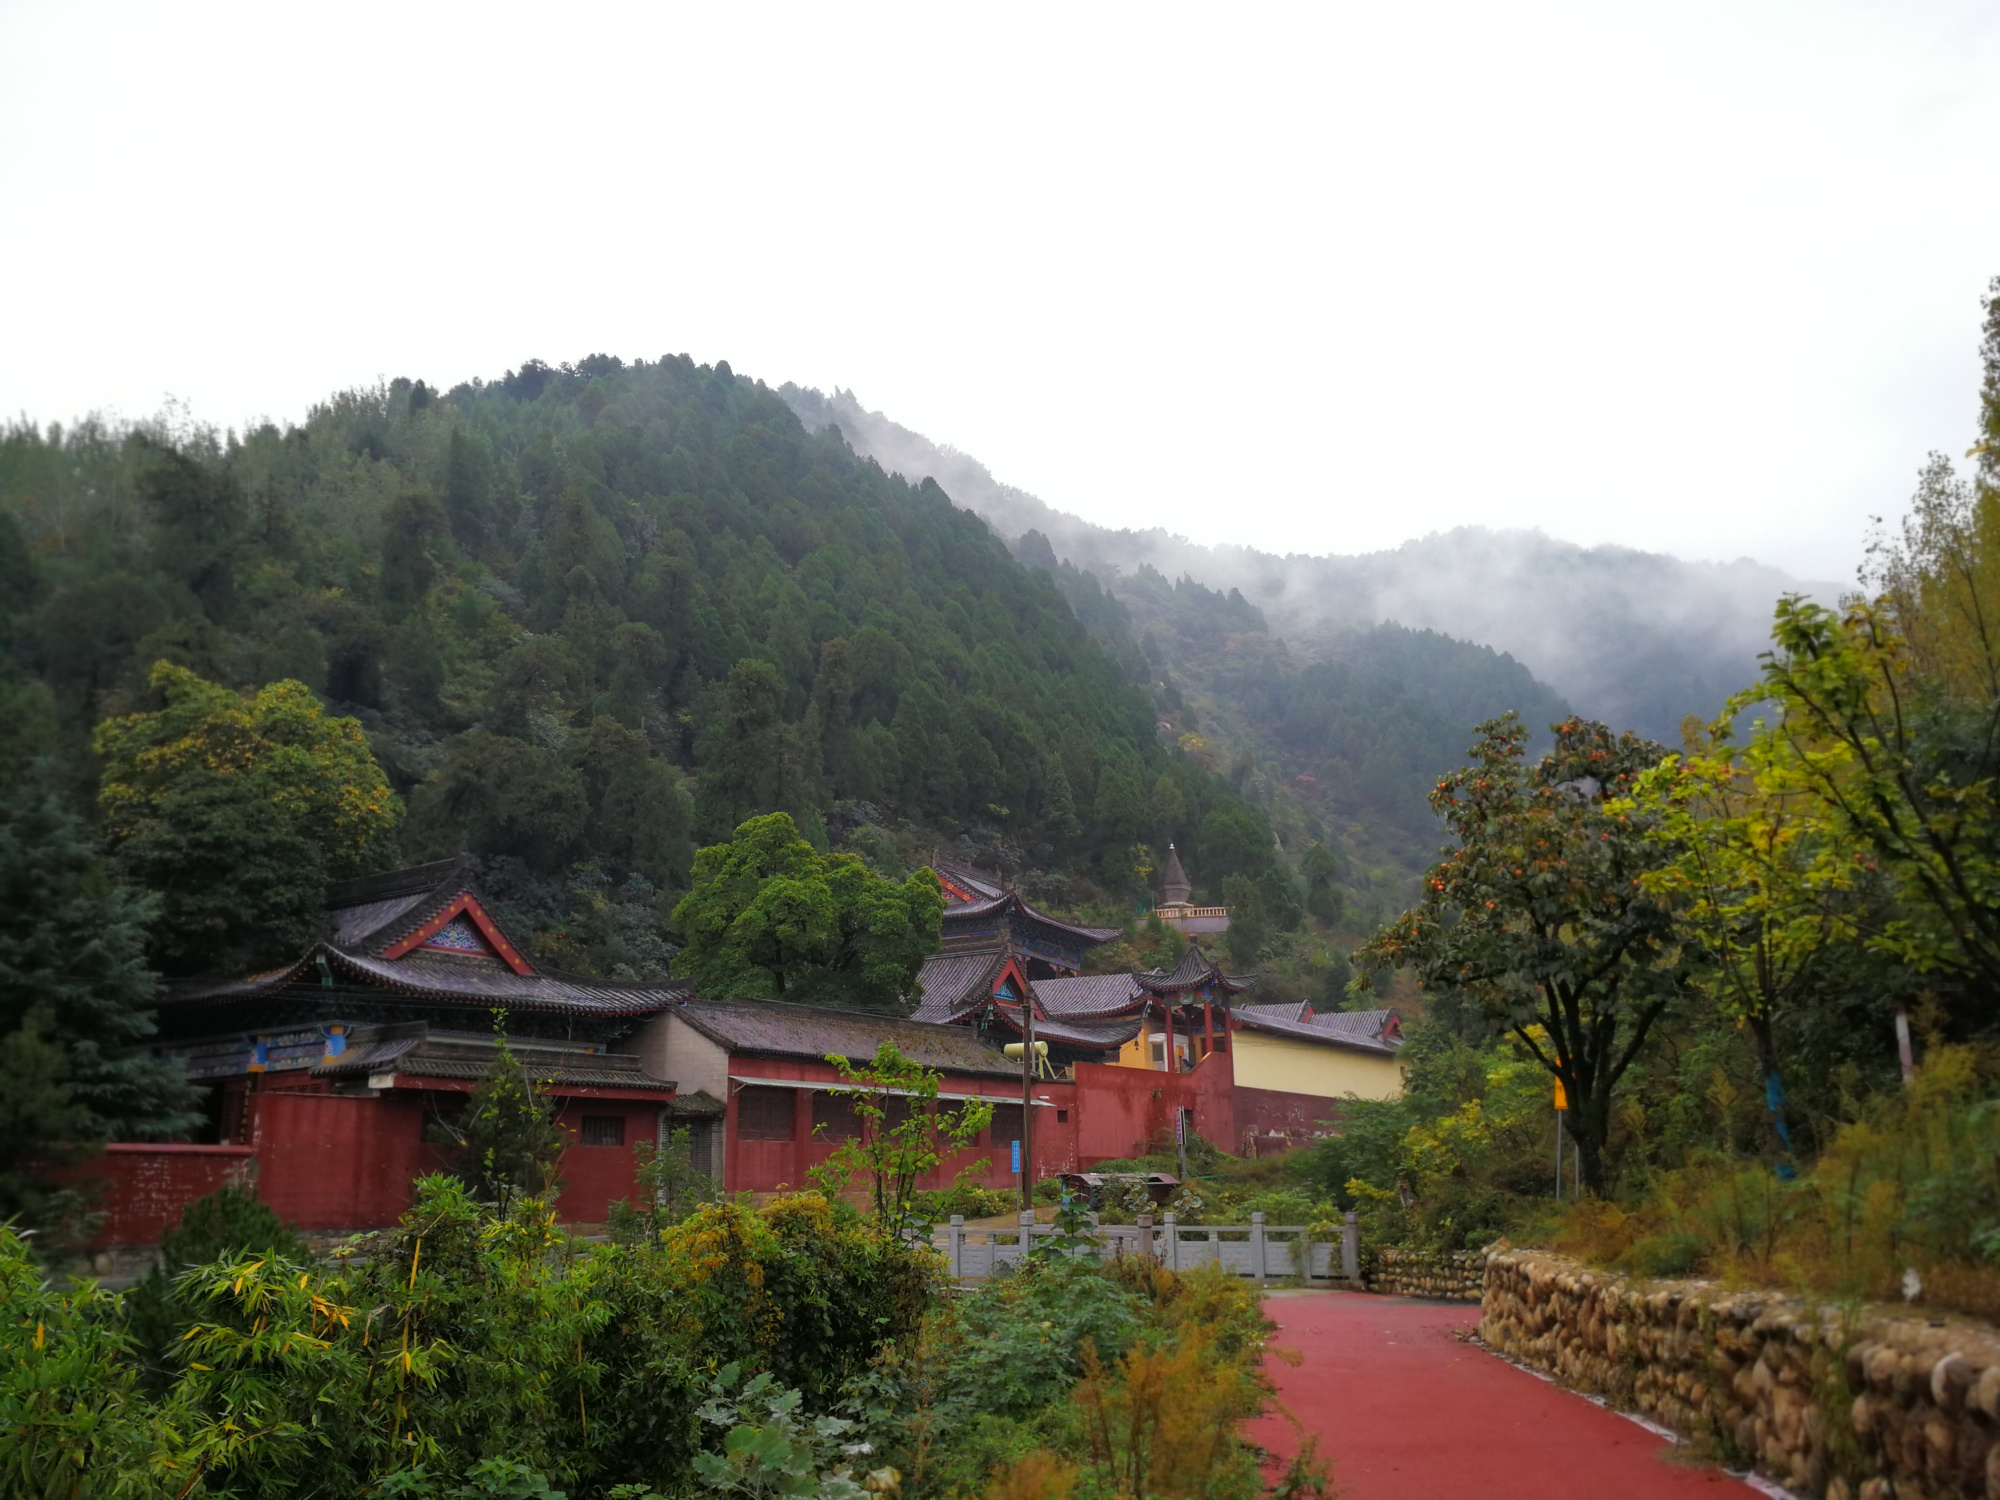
(776, 1028)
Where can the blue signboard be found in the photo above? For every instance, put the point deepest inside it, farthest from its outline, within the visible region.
(1017, 1157)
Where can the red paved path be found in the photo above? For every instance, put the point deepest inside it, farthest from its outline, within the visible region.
(1407, 1412)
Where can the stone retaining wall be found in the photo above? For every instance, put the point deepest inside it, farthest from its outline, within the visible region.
(1866, 1405)
(1448, 1275)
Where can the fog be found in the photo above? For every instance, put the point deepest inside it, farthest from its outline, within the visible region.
(1638, 639)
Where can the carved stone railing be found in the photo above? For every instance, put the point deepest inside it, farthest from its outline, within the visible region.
(1256, 1250)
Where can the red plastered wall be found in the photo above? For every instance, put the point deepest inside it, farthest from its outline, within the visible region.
(142, 1187)
(1121, 1111)
(766, 1166)
(593, 1176)
(329, 1161)
(1275, 1112)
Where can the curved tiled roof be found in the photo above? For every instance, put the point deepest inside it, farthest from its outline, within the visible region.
(1386, 1025)
(1105, 1036)
(1012, 901)
(781, 1029)
(1287, 1010)
(426, 976)
(418, 1050)
(966, 877)
(953, 985)
(1195, 968)
(1252, 1017)
(373, 912)
(372, 916)
(1083, 995)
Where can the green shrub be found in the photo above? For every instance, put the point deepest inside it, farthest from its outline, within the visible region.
(221, 1226)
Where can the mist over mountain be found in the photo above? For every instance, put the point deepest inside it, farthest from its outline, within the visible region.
(1637, 639)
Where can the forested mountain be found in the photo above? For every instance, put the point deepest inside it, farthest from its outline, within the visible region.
(592, 615)
(1637, 639)
(1338, 745)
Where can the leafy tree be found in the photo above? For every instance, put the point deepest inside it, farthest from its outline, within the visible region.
(1118, 813)
(72, 940)
(1234, 841)
(42, 1126)
(238, 886)
(1768, 884)
(1249, 921)
(413, 531)
(1322, 894)
(752, 760)
(316, 771)
(770, 918)
(497, 795)
(1539, 917)
(903, 1134)
(199, 517)
(222, 1225)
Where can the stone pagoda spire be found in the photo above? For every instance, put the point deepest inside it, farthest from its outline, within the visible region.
(1174, 886)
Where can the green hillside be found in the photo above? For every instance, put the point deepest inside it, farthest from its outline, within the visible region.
(1338, 744)
(591, 616)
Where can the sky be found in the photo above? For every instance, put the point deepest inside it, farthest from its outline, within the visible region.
(1698, 278)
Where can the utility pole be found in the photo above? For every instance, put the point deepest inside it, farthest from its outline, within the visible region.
(1027, 1103)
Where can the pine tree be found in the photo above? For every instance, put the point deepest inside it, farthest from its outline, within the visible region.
(73, 941)
(75, 1001)
(510, 1145)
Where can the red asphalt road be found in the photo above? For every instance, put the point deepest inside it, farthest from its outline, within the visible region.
(1408, 1412)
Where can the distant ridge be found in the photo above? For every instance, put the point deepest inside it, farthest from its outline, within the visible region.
(1638, 639)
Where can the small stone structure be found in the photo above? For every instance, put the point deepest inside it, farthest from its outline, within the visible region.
(1861, 1405)
(1444, 1275)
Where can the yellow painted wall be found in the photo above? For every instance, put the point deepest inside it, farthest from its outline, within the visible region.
(1264, 1061)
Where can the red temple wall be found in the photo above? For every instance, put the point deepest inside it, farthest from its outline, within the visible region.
(332, 1161)
(768, 1166)
(1123, 1111)
(141, 1187)
(1265, 1113)
(594, 1176)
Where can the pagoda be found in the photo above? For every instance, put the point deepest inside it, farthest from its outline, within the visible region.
(1176, 909)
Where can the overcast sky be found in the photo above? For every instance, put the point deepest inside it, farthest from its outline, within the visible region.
(1701, 278)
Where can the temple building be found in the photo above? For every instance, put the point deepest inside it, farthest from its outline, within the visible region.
(341, 1071)
(333, 1081)
(1176, 908)
(996, 948)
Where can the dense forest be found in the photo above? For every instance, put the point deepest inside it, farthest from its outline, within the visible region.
(588, 618)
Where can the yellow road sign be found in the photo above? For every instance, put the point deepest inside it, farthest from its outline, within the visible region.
(1562, 1099)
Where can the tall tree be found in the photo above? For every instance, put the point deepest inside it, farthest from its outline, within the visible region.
(1539, 917)
(769, 918)
(1770, 887)
(237, 811)
(76, 997)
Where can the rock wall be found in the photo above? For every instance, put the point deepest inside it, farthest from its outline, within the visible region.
(1865, 1405)
(1448, 1275)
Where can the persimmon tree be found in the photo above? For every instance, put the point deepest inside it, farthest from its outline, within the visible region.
(1540, 917)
